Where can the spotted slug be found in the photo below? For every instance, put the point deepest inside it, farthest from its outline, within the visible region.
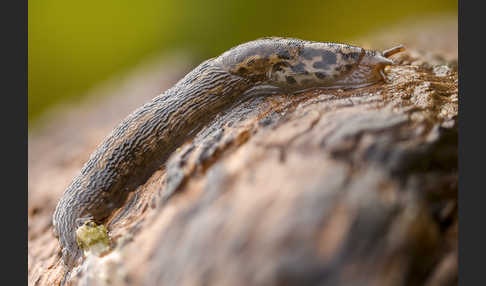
(142, 142)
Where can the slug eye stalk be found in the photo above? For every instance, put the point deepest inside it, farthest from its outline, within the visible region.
(395, 50)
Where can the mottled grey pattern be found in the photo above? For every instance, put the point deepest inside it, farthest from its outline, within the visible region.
(327, 59)
(299, 68)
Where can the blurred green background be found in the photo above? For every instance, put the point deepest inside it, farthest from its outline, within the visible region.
(74, 45)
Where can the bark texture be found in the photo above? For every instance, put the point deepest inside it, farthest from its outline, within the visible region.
(354, 187)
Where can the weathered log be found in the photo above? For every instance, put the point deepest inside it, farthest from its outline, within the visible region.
(355, 187)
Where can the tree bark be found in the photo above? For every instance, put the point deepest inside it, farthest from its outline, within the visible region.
(355, 187)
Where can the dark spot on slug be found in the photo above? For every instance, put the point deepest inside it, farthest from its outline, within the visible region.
(328, 58)
(372, 53)
(283, 54)
(257, 77)
(319, 65)
(265, 121)
(290, 80)
(278, 66)
(321, 75)
(299, 68)
(353, 55)
(310, 53)
(242, 70)
(348, 67)
(307, 82)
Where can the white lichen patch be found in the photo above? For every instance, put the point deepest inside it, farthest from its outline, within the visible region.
(100, 268)
(101, 271)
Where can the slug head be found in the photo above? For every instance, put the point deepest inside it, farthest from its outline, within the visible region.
(368, 71)
(295, 65)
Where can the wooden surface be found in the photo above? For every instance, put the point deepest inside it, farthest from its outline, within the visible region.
(354, 187)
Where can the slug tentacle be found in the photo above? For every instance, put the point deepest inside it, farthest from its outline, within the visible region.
(395, 50)
(142, 142)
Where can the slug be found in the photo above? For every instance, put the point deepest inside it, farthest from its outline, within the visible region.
(142, 142)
